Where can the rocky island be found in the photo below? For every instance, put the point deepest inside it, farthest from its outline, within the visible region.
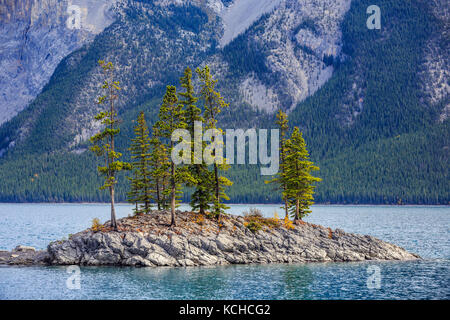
(148, 241)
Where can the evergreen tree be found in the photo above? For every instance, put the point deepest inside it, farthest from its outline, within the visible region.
(297, 176)
(203, 193)
(104, 143)
(159, 164)
(141, 182)
(282, 122)
(192, 112)
(213, 105)
(133, 195)
(172, 117)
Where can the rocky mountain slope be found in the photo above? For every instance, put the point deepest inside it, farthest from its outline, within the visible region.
(293, 40)
(366, 100)
(35, 36)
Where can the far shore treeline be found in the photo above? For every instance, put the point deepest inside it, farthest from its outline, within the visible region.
(158, 182)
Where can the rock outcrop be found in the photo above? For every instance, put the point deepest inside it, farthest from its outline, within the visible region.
(23, 255)
(148, 241)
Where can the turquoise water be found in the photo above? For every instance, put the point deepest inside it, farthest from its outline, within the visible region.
(420, 229)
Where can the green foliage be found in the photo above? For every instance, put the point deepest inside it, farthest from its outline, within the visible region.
(171, 118)
(391, 150)
(159, 164)
(141, 191)
(203, 195)
(282, 122)
(253, 226)
(254, 220)
(296, 176)
(382, 143)
(103, 142)
(244, 56)
(214, 103)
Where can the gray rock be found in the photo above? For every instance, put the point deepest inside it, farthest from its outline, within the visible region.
(24, 249)
(23, 255)
(205, 246)
(233, 245)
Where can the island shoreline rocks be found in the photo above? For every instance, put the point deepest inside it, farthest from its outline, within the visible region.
(148, 241)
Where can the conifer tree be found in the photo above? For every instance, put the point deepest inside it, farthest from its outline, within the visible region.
(141, 182)
(203, 193)
(213, 105)
(172, 117)
(282, 122)
(133, 195)
(297, 176)
(104, 142)
(192, 112)
(159, 164)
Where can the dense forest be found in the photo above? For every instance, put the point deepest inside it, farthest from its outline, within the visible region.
(380, 144)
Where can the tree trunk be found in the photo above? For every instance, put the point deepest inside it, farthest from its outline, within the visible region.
(113, 211)
(173, 223)
(146, 200)
(286, 208)
(216, 177)
(158, 196)
(297, 210)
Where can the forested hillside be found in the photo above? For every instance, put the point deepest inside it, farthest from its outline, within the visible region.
(374, 126)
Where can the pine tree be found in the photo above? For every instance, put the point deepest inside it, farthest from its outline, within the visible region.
(213, 105)
(282, 122)
(141, 182)
(192, 113)
(172, 117)
(159, 164)
(104, 142)
(297, 176)
(133, 196)
(202, 196)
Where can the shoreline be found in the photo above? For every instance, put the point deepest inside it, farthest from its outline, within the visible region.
(236, 204)
(148, 241)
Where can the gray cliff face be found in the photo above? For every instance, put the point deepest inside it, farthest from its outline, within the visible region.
(294, 38)
(436, 71)
(234, 244)
(35, 35)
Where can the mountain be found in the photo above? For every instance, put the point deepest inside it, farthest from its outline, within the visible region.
(34, 37)
(373, 104)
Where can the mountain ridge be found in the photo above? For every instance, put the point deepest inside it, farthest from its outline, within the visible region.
(369, 99)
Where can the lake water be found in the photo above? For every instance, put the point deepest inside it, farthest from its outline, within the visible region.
(420, 229)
